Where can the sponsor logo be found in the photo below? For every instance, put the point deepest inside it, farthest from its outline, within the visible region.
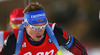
(50, 41)
(28, 53)
(24, 44)
(38, 15)
(46, 53)
(42, 53)
(68, 40)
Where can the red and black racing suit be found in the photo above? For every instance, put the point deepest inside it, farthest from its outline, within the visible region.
(61, 36)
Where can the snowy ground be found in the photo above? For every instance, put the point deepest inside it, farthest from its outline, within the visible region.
(93, 51)
(64, 51)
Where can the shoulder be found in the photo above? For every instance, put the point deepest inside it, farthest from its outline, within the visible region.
(10, 38)
(12, 34)
(9, 44)
(3, 36)
(68, 41)
(62, 36)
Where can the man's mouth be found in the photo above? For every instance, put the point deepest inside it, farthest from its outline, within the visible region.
(38, 36)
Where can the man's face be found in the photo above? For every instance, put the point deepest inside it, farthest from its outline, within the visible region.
(35, 34)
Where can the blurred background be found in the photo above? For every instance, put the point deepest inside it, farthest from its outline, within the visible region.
(81, 18)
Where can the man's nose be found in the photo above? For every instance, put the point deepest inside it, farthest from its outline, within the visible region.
(40, 30)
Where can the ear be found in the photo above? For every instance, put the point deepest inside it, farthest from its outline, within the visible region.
(25, 26)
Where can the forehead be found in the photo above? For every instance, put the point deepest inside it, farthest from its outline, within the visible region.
(39, 24)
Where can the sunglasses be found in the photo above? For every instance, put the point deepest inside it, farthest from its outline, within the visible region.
(37, 28)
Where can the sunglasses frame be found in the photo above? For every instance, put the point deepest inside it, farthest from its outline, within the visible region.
(37, 28)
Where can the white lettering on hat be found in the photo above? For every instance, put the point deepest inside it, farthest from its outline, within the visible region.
(37, 15)
(18, 18)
